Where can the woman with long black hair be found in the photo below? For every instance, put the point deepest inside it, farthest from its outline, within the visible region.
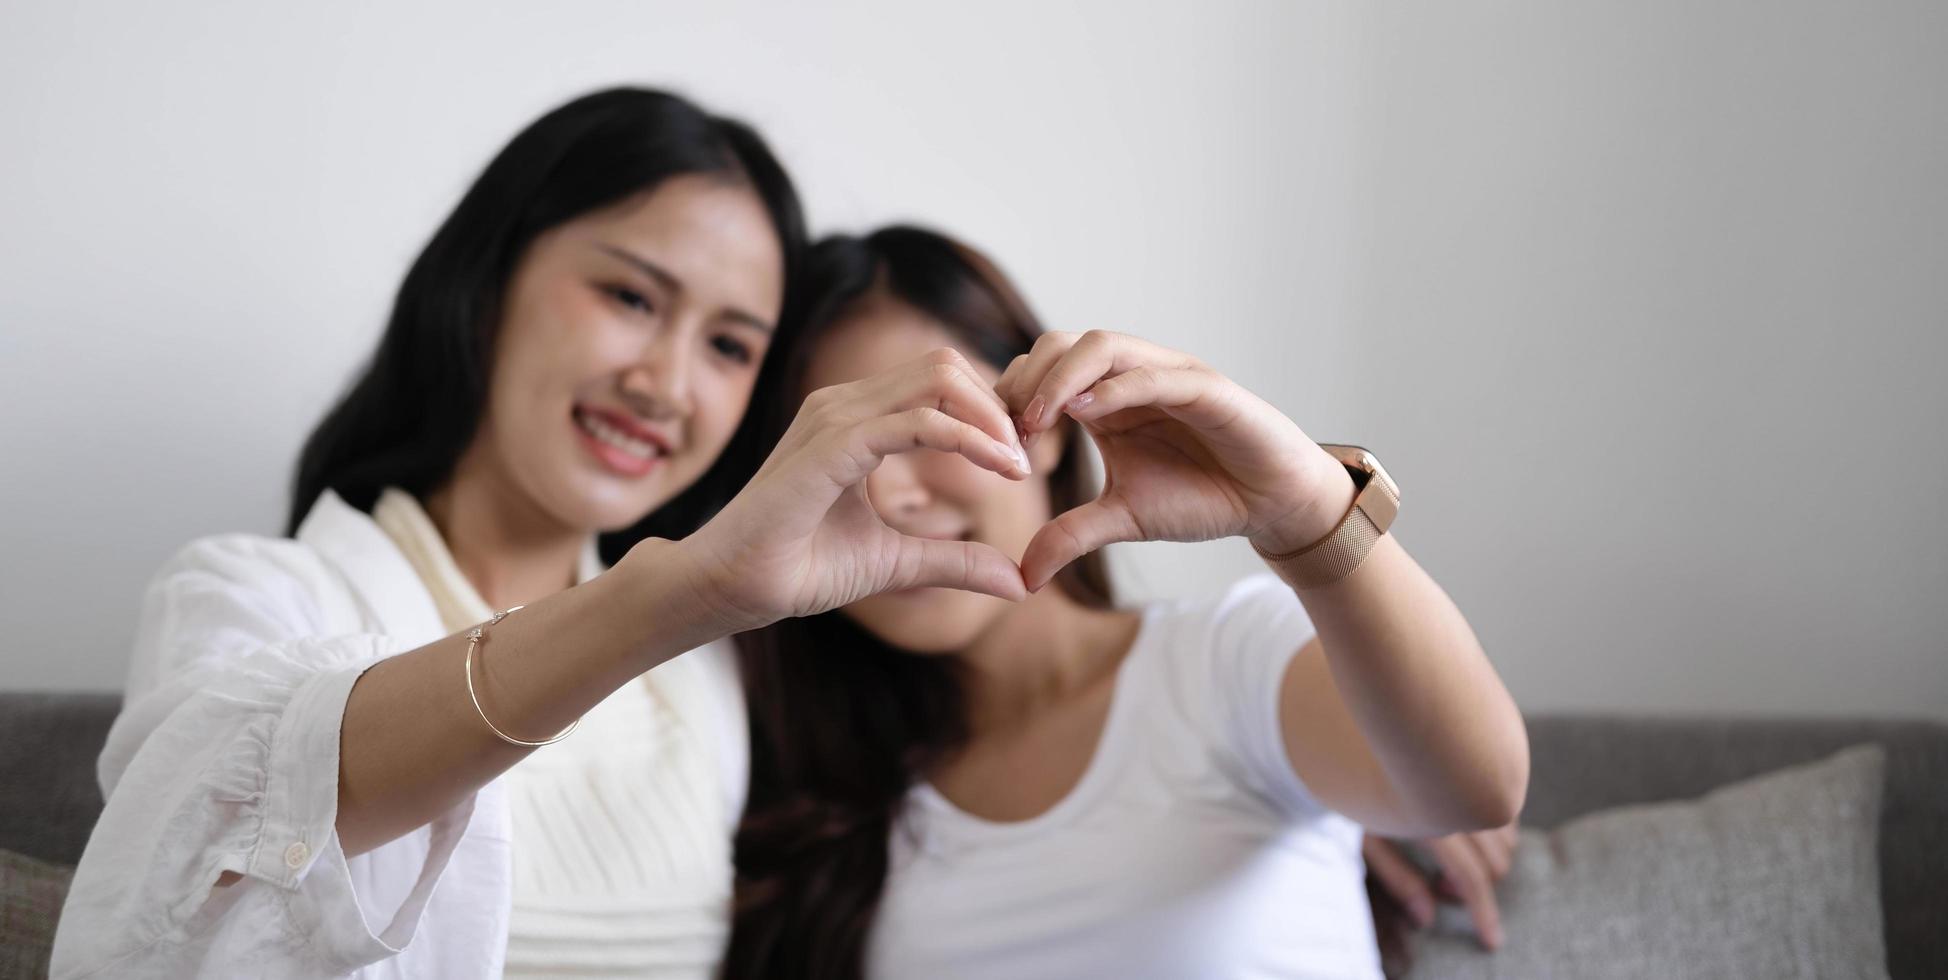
(327, 760)
(944, 785)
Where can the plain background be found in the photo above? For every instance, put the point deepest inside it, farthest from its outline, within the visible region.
(1645, 304)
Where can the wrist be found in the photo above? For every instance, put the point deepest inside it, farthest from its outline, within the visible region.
(679, 597)
(1328, 496)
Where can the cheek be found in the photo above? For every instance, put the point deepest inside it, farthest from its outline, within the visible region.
(721, 401)
(558, 339)
(592, 336)
(1008, 513)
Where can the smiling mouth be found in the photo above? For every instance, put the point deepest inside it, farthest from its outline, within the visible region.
(619, 452)
(609, 435)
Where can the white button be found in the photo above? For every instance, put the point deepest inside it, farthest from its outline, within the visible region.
(295, 855)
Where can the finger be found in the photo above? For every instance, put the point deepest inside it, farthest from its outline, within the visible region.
(1400, 878)
(1097, 355)
(1011, 379)
(1493, 850)
(1461, 865)
(1073, 534)
(1024, 374)
(944, 380)
(925, 428)
(973, 380)
(1090, 359)
(967, 565)
(1191, 396)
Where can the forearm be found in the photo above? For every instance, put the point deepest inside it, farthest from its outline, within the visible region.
(412, 745)
(1442, 729)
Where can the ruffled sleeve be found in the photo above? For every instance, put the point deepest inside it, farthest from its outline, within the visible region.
(225, 759)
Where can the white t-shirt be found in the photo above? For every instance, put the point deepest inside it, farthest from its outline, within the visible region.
(1189, 848)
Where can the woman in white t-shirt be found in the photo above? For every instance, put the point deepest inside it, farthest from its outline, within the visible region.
(946, 785)
(306, 777)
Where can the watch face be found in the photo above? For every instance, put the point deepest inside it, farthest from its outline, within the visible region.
(1379, 496)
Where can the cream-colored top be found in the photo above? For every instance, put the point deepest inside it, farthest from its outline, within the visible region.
(622, 831)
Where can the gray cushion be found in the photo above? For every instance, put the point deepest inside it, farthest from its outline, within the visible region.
(49, 742)
(31, 893)
(1589, 762)
(1772, 877)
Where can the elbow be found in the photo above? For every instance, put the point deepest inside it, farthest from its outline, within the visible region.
(1499, 795)
(1498, 807)
(1489, 806)
(1494, 793)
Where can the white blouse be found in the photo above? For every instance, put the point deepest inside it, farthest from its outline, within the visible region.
(225, 758)
(622, 831)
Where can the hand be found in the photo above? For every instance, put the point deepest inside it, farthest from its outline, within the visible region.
(1470, 865)
(1188, 454)
(802, 537)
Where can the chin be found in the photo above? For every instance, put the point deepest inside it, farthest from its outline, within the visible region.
(927, 621)
(584, 497)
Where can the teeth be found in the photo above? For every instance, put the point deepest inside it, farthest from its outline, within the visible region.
(615, 437)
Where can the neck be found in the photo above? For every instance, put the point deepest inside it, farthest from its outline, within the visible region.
(511, 550)
(1040, 653)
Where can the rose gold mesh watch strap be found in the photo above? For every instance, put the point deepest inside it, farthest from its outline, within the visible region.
(1332, 557)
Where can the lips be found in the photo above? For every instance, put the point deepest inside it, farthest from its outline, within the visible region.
(625, 424)
(619, 442)
(934, 534)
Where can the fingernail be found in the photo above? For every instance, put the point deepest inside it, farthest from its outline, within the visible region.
(1033, 416)
(1014, 453)
(1082, 401)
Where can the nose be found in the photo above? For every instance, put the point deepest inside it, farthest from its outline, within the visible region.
(659, 384)
(895, 488)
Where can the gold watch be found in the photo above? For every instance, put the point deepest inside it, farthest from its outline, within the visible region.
(1376, 502)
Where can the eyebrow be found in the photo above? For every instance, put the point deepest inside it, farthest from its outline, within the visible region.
(675, 285)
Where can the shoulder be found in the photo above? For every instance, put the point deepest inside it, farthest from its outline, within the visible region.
(1231, 662)
(1257, 594)
(236, 591)
(1229, 650)
(246, 558)
(1256, 609)
(256, 571)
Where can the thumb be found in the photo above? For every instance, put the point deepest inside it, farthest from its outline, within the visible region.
(966, 565)
(1073, 534)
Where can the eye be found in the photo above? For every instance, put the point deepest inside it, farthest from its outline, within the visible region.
(629, 298)
(732, 348)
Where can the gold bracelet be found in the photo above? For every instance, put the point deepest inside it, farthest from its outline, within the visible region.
(474, 636)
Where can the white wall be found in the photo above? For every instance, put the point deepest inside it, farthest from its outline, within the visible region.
(1653, 308)
(1641, 302)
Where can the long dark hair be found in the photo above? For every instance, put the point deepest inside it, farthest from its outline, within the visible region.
(407, 418)
(842, 723)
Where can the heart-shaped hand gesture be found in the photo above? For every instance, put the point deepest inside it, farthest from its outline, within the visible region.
(802, 537)
(1188, 454)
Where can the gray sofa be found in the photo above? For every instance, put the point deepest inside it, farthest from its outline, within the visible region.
(48, 745)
